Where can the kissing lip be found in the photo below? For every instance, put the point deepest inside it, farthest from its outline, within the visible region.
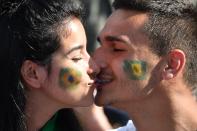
(102, 80)
(91, 83)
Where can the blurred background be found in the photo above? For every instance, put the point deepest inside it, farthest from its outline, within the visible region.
(97, 13)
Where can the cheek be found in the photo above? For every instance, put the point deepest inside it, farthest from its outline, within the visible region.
(69, 78)
(135, 69)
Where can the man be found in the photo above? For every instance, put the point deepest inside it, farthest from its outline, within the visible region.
(148, 63)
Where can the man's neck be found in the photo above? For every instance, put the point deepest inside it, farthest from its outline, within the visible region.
(177, 112)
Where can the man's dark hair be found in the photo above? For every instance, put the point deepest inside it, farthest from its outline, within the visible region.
(29, 30)
(172, 24)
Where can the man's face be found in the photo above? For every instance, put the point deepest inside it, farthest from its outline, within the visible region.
(125, 59)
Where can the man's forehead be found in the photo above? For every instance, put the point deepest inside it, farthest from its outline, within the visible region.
(132, 16)
(124, 21)
(128, 13)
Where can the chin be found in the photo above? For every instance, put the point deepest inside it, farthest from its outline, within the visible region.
(99, 103)
(87, 102)
(99, 100)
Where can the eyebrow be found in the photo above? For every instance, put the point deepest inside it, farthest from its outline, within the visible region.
(73, 49)
(113, 39)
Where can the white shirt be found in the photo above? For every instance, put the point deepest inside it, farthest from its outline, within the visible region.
(128, 127)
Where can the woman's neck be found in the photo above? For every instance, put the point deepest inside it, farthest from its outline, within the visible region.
(39, 109)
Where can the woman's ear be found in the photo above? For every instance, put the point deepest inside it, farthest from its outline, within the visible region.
(32, 74)
(175, 64)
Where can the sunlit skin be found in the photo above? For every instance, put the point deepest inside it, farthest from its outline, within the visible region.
(136, 70)
(133, 78)
(68, 84)
(71, 59)
(72, 55)
(124, 54)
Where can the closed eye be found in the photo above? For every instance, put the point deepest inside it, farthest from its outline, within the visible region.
(118, 50)
(77, 59)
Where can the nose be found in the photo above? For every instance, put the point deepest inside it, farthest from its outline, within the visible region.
(100, 58)
(93, 69)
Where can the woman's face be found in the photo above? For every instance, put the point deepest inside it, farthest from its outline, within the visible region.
(68, 82)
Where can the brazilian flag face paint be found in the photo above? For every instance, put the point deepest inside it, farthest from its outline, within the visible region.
(69, 78)
(135, 69)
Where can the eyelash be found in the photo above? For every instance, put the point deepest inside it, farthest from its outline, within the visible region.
(76, 59)
(116, 49)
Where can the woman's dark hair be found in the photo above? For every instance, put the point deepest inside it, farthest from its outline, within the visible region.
(29, 30)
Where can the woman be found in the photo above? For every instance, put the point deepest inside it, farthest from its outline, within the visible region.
(45, 65)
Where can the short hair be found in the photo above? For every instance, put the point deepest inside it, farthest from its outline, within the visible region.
(29, 30)
(171, 24)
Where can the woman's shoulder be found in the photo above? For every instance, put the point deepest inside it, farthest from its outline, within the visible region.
(63, 120)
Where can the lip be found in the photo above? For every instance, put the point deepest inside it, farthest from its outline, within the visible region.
(91, 83)
(102, 80)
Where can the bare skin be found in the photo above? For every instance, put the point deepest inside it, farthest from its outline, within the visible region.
(162, 101)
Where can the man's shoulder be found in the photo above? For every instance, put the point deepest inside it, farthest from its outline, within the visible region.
(129, 127)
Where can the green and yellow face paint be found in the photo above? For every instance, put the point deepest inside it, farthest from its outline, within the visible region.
(69, 78)
(135, 69)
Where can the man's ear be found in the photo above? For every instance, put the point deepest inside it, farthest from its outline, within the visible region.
(175, 64)
(33, 74)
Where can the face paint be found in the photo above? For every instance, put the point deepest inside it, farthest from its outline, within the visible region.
(69, 78)
(136, 70)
